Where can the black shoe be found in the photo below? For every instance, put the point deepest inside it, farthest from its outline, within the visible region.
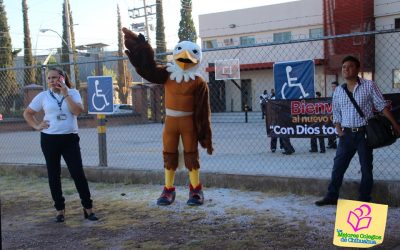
(273, 150)
(322, 151)
(90, 216)
(60, 218)
(313, 151)
(332, 146)
(287, 152)
(326, 201)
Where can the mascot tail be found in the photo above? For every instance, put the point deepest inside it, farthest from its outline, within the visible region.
(181, 160)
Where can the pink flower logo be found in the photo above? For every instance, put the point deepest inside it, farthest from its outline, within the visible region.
(358, 218)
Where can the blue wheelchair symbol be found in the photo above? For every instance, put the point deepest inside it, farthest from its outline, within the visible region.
(99, 94)
(291, 82)
(294, 79)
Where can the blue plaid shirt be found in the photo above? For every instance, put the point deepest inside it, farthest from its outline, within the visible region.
(367, 95)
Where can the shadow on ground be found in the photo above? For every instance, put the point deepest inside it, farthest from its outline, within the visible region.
(130, 219)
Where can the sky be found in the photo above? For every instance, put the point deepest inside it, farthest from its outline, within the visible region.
(96, 20)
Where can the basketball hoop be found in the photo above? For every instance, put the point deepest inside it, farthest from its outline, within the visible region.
(227, 69)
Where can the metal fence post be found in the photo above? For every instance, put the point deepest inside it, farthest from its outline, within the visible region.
(246, 108)
(101, 130)
(43, 71)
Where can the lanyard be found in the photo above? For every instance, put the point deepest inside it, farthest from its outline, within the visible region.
(59, 103)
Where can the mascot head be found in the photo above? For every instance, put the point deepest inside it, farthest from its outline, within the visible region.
(186, 61)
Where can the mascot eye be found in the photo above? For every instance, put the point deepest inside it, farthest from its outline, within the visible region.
(179, 48)
(195, 51)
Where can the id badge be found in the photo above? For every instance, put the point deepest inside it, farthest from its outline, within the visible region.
(61, 117)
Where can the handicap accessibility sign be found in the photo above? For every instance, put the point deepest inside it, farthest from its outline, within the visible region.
(359, 224)
(294, 79)
(100, 95)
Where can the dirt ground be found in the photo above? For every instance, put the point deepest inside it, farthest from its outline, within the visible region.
(130, 219)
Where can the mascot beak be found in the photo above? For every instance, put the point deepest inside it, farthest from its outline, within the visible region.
(185, 60)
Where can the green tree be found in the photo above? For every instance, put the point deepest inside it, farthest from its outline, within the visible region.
(124, 76)
(65, 50)
(187, 31)
(161, 45)
(8, 83)
(75, 55)
(29, 74)
(64, 47)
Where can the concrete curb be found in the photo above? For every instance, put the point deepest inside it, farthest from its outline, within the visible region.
(385, 192)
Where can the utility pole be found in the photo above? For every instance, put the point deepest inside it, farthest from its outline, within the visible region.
(142, 12)
(145, 22)
(70, 52)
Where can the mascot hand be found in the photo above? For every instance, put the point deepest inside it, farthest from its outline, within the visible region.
(207, 145)
(135, 45)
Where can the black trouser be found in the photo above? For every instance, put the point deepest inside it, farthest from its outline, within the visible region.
(314, 146)
(67, 146)
(287, 146)
(262, 110)
(274, 141)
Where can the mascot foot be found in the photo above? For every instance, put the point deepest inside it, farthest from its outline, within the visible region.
(167, 197)
(196, 196)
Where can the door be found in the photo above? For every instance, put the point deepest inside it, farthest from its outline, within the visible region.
(247, 98)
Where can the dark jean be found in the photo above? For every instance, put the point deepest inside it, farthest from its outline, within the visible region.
(314, 146)
(349, 144)
(67, 146)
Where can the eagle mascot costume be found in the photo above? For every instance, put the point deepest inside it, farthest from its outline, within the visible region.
(187, 109)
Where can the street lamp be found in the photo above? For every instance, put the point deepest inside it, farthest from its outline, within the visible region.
(70, 54)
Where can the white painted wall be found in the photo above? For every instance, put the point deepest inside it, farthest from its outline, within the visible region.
(387, 54)
(302, 13)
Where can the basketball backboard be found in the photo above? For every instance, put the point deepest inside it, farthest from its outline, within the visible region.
(227, 69)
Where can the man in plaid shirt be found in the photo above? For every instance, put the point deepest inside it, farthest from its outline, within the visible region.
(350, 127)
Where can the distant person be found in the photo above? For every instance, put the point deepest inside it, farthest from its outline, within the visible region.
(284, 142)
(332, 139)
(263, 102)
(321, 140)
(350, 127)
(59, 137)
(272, 94)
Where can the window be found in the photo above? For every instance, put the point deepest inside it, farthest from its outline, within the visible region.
(282, 37)
(228, 42)
(397, 23)
(316, 33)
(396, 78)
(210, 44)
(247, 40)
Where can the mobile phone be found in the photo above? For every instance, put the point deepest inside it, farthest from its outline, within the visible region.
(62, 80)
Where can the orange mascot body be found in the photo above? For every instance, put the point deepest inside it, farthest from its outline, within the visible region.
(187, 109)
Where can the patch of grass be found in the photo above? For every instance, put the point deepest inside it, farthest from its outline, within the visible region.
(96, 243)
(69, 191)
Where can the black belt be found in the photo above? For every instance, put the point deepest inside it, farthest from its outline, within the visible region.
(354, 130)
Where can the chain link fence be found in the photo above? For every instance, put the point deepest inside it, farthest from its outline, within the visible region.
(134, 136)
